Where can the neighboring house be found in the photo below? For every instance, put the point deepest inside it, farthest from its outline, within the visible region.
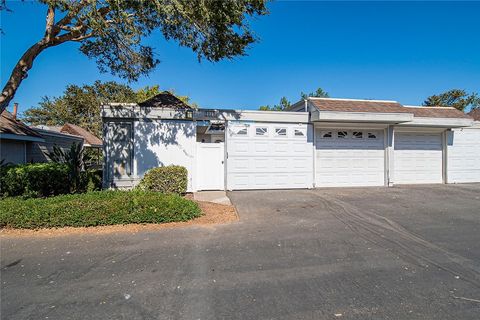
(16, 139)
(38, 151)
(90, 141)
(475, 114)
(20, 143)
(319, 142)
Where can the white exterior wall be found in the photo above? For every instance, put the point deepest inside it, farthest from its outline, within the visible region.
(463, 155)
(159, 143)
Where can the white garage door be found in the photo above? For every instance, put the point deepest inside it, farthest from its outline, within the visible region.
(417, 158)
(269, 156)
(464, 156)
(350, 158)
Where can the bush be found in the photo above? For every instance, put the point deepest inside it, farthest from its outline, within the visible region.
(35, 180)
(90, 180)
(96, 209)
(169, 179)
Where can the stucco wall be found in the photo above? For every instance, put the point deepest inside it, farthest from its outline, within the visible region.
(162, 143)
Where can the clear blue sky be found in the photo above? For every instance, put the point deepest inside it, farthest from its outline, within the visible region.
(402, 51)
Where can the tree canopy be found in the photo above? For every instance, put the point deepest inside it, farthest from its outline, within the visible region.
(456, 98)
(284, 103)
(112, 32)
(80, 105)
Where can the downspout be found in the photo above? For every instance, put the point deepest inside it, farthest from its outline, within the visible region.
(306, 104)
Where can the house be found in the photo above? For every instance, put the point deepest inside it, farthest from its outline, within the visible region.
(20, 143)
(90, 141)
(16, 138)
(319, 142)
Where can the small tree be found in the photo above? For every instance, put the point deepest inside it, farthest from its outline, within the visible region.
(111, 32)
(285, 104)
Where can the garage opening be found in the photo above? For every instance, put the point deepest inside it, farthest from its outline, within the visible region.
(350, 157)
(269, 156)
(418, 157)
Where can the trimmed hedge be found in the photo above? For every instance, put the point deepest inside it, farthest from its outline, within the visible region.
(35, 180)
(169, 179)
(96, 209)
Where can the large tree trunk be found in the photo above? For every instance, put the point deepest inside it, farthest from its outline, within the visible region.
(20, 72)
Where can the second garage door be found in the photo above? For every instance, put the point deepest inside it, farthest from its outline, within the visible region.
(418, 158)
(269, 156)
(346, 157)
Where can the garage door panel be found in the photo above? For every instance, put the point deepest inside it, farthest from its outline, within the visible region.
(343, 162)
(418, 158)
(273, 161)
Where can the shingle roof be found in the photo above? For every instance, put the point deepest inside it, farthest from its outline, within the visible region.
(475, 114)
(10, 125)
(165, 100)
(437, 112)
(348, 105)
(89, 138)
(381, 106)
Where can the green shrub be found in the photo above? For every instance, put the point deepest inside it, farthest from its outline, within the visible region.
(169, 179)
(35, 180)
(95, 209)
(90, 180)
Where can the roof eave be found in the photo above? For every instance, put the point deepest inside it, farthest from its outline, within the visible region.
(373, 117)
(439, 122)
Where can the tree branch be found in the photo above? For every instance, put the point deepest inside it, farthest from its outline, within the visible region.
(49, 23)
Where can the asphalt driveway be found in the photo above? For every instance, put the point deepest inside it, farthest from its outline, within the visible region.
(408, 252)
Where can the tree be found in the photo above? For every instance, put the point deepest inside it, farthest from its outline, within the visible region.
(80, 105)
(111, 32)
(319, 93)
(285, 104)
(456, 98)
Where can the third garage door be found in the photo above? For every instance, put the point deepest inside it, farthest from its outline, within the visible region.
(418, 158)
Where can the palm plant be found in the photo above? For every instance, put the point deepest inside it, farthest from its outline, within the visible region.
(74, 158)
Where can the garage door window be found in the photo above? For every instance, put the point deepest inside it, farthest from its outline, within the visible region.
(327, 135)
(342, 134)
(357, 135)
(261, 131)
(300, 132)
(280, 131)
(372, 135)
(240, 131)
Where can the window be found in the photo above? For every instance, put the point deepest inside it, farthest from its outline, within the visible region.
(327, 134)
(261, 131)
(299, 132)
(240, 131)
(342, 134)
(280, 131)
(372, 135)
(357, 135)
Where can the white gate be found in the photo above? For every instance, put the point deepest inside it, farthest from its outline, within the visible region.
(210, 166)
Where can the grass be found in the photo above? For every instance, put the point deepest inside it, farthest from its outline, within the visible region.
(98, 208)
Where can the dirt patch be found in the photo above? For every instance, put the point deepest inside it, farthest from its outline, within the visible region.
(213, 213)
